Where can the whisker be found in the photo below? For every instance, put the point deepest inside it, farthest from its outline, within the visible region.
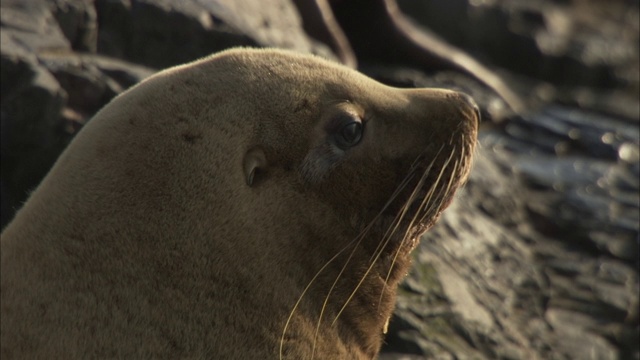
(398, 218)
(434, 205)
(429, 205)
(335, 282)
(422, 204)
(286, 325)
(359, 238)
(386, 239)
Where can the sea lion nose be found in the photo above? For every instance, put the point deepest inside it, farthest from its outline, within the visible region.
(471, 103)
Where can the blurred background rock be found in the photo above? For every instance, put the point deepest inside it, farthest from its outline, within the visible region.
(537, 258)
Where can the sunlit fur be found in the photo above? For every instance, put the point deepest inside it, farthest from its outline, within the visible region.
(207, 213)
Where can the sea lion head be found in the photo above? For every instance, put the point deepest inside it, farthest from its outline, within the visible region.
(361, 170)
(374, 155)
(278, 194)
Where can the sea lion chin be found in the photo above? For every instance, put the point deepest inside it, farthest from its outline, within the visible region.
(254, 204)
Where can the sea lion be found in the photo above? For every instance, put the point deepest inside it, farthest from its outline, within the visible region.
(255, 204)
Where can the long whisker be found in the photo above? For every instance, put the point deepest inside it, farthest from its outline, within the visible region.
(424, 201)
(357, 241)
(428, 207)
(394, 223)
(385, 241)
(293, 310)
(398, 218)
(359, 238)
(388, 238)
(434, 205)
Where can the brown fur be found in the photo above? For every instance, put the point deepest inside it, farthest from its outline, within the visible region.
(188, 217)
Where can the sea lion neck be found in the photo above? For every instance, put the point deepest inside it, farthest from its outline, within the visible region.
(350, 291)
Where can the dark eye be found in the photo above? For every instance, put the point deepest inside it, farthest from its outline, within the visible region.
(349, 135)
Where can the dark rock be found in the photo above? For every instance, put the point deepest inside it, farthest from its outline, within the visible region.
(515, 293)
(400, 42)
(32, 26)
(78, 21)
(31, 102)
(319, 23)
(566, 44)
(159, 34)
(168, 32)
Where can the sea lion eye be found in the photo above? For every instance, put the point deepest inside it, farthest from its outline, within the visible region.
(349, 135)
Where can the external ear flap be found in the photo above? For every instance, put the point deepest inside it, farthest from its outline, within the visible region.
(254, 162)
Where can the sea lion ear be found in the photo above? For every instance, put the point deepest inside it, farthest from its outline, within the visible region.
(254, 162)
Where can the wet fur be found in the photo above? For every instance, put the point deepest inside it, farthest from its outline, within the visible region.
(147, 239)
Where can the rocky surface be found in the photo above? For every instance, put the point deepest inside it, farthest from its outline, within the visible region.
(533, 261)
(537, 258)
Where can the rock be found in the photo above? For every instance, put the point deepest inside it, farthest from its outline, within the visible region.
(88, 80)
(515, 292)
(537, 258)
(320, 23)
(32, 26)
(31, 102)
(563, 43)
(163, 33)
(578, 342)
(160, 34)
(400, 42)
(78, 21)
